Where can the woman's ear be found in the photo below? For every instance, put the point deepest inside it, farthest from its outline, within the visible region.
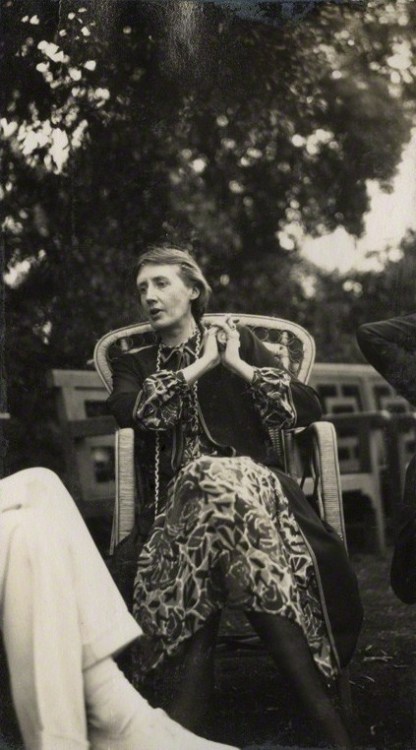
(195, 292)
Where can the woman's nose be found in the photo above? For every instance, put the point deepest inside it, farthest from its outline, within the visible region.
(150, 295)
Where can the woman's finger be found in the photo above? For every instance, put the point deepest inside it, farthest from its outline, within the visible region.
(232, 322)
(226, 324)
(210, 331)
(222, 336)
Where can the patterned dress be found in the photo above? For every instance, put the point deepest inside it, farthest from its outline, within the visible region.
(226, 535)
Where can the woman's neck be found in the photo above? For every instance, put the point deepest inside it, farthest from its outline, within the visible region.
(179, 334)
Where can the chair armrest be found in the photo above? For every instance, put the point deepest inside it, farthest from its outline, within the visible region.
(322, 453)
(124, 504)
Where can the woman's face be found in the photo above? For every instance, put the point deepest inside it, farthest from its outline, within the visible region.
(164, 297)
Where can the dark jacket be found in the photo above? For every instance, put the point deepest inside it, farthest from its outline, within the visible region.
(390, 346)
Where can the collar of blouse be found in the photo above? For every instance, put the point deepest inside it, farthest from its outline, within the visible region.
(179, 355)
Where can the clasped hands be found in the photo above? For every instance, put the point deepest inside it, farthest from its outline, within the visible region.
(221, 343)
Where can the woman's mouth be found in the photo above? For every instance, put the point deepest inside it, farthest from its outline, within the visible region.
(155, 313)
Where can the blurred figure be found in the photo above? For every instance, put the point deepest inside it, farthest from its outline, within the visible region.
(390, 346)
(62, 619)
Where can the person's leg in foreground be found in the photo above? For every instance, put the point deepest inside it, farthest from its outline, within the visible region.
(62, 619)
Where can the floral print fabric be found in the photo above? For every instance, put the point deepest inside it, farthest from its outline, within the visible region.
(272, 397)
(227, 538)
(162, 400)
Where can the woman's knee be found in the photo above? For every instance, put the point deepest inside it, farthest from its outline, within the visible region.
(29, 486)
(43, 476)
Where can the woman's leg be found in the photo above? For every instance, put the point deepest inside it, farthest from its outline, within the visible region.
(61, 618)
(193, 676)
(287, 644)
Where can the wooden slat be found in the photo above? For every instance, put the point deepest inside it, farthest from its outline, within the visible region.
(74, 379)
(372, 419)
(80, 428)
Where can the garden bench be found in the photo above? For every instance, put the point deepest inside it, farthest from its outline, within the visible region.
(375, 429)
(87, 439)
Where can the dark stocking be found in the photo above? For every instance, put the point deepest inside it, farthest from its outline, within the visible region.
(288, 646)
(194, 676)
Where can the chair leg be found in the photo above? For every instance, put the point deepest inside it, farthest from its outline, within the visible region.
(380, 525)
(350, 717)
(344, 692)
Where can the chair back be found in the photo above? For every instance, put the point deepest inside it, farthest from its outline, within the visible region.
(292, 345)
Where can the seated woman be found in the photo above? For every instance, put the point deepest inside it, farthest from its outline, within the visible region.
(220, 525)
(62, 619)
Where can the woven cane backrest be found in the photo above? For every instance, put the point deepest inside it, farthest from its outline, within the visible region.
(292, 345)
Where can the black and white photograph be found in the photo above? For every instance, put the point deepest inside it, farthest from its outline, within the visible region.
(208, 375)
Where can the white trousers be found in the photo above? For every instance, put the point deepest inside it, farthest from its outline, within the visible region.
(60, 611)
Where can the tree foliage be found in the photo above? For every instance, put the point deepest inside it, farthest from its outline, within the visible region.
(127, 122)
(363, 296)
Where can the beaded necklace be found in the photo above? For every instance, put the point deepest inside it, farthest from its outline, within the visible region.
(194, 411)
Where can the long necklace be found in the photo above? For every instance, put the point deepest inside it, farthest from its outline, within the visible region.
(194, 408)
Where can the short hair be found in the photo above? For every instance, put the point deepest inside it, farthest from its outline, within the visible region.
(189, 272)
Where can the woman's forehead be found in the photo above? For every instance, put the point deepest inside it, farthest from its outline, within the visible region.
(151, 271)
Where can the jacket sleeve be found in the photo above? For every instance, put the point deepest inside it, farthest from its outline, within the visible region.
(161, 401)
(127, 382)
(303, 398)
(272, 395)
(390, 346)
(403, 565)
(151, 403)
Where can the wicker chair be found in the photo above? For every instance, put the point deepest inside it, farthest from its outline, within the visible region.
(308, 454)
(295, 349)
